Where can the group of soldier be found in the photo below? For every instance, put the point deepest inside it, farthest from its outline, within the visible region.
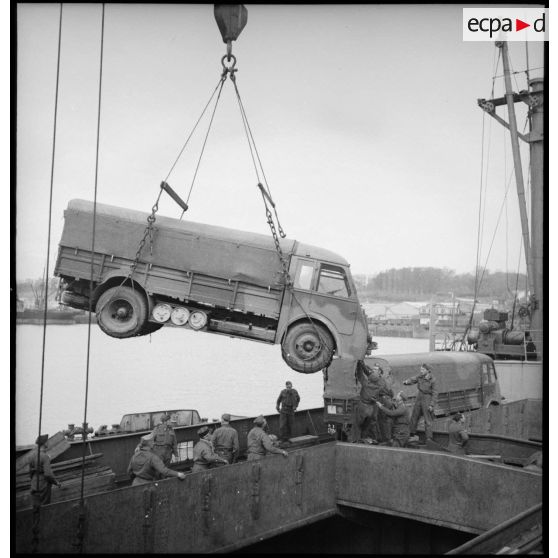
(153, 455)
(383, 418)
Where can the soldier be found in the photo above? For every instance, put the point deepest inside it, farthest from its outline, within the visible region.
(372, 387)
(385, 421)
(426, 399)
(146, 466)
(225, 440)
(458, 436)
(400, 416)
(40, 471)
(204, 455)
(165, 440)
(259, 442)
(286, 405)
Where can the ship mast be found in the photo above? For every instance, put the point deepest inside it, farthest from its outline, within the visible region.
(532, 236)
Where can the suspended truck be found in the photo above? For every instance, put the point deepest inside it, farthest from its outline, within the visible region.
(209, 278)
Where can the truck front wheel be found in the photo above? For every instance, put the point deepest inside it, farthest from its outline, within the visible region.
(307, 347)
(121, 312)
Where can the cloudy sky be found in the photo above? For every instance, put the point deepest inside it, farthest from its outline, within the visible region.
(365, 118)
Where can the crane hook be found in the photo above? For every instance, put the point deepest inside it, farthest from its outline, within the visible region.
(231, 19)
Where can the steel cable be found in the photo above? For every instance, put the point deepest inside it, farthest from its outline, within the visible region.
(81, 514)
(223, 78)
(36, 509)
(251, 142)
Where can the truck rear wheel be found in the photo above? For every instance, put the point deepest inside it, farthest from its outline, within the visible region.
(307, 347)
(121, 312)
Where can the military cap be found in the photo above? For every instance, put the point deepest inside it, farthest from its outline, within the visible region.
(203, 431)
(226, 417)
(166, 416)
(259, 420)
(41, 439)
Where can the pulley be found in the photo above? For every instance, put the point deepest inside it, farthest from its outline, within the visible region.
(231, 19)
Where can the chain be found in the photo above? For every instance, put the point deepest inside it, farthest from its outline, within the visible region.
(275, 236)
(147, 233)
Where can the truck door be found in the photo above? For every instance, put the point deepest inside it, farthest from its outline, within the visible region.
(303, 284)
(324, 289)
(334, 297)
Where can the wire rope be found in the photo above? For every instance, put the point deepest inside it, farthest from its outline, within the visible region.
(194, 129)
(251, 141)
(204, 143)
(81, 514)
(36, 509)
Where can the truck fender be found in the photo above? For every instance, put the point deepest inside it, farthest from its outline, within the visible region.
(115, 278)
(301, 316)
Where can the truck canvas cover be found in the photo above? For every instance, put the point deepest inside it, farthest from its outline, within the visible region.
(181, 245)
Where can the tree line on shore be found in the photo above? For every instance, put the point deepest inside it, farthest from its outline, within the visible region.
(419, 283)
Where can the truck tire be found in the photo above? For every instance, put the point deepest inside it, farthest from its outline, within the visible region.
(307, 347)
(121, 312)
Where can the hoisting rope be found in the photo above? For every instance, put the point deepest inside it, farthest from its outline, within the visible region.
(37, 508)
(80, 533)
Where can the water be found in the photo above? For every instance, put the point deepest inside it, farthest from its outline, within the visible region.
(170, 369)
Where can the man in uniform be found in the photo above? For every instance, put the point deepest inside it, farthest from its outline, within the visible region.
(426, 399)
(146, 466)
(458, 436)
(259, 442)
(372, 386)
(165, 440)
(40, 471)
(400, 416)
(286, 405)
(204, 455)
(385, 421)
(225, 440)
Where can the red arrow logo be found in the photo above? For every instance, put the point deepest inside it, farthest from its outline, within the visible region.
(519, 25)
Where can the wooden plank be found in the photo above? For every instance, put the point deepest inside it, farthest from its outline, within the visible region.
(56, 445)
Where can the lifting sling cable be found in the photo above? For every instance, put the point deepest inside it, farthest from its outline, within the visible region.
(81, 514)
(222, 81)
(266, 194)
(148, 231)
(37, 509)
(251, 142)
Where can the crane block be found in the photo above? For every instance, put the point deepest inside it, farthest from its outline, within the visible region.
(231, 19)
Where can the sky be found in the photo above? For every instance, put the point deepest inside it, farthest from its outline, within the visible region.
(365, 118)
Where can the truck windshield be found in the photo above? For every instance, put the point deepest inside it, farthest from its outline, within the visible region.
(333, 281)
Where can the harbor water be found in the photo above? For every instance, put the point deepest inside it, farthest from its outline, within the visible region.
(171, 369)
